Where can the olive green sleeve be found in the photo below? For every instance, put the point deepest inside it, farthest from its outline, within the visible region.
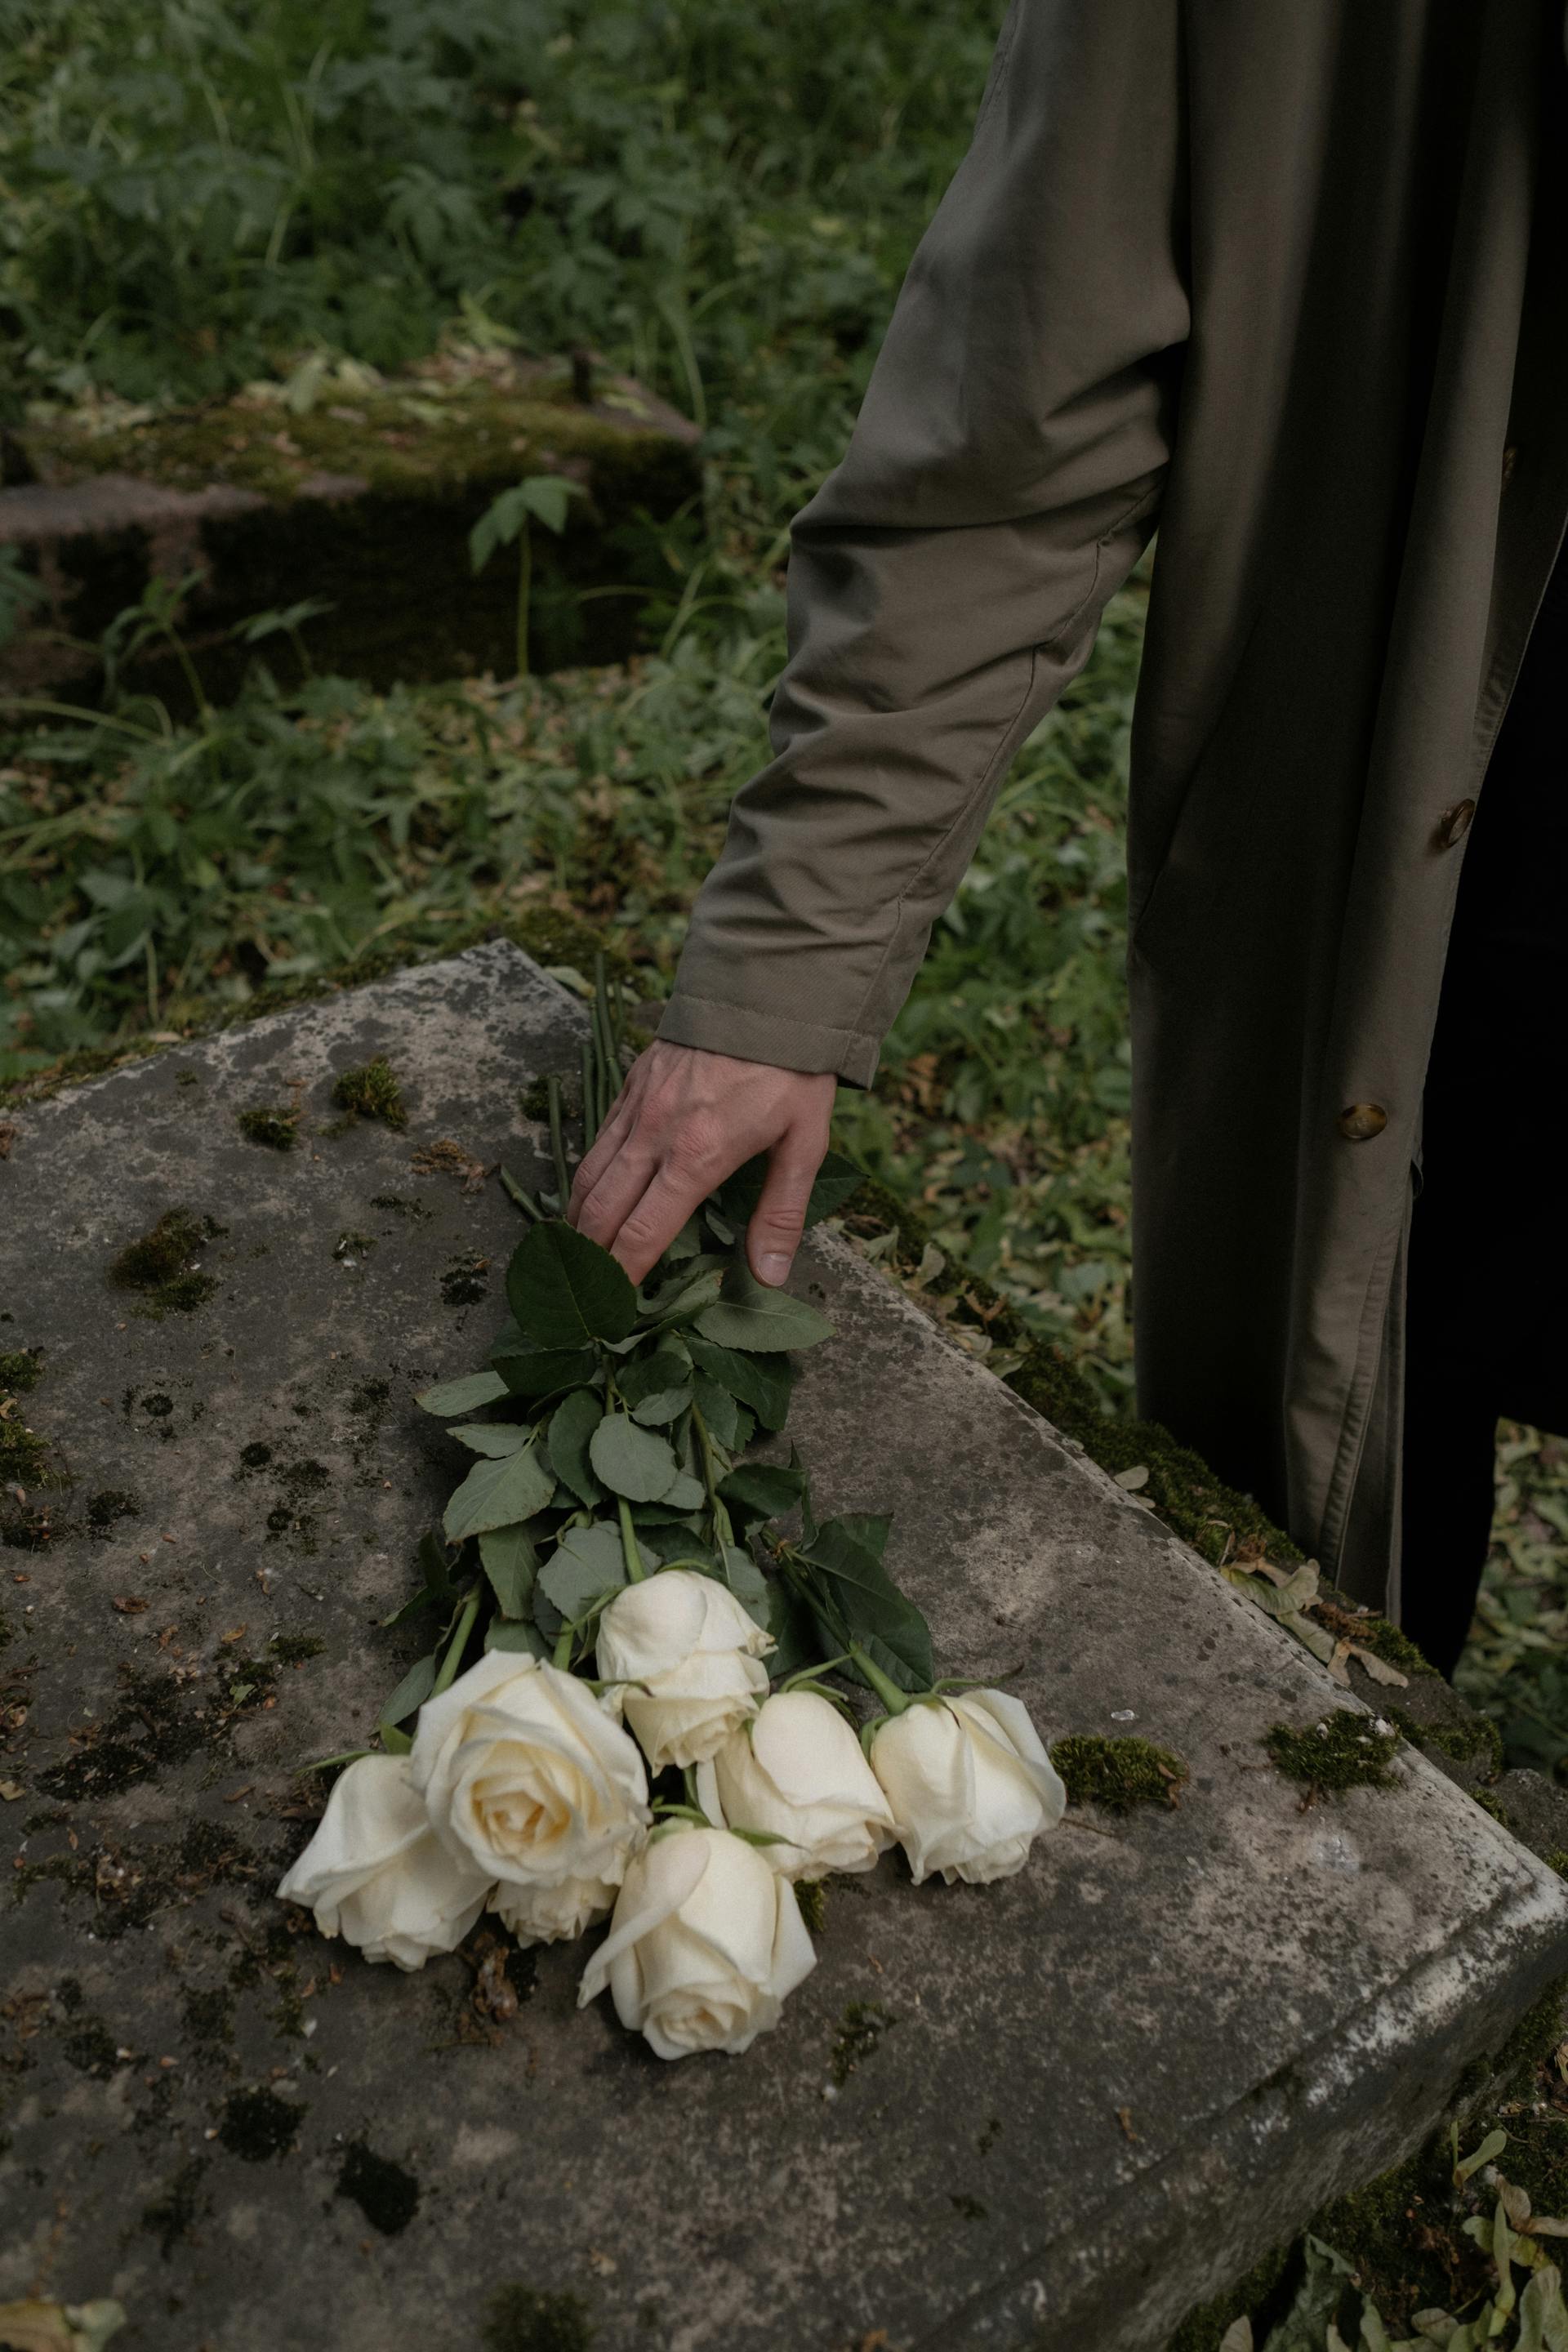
(946, 581)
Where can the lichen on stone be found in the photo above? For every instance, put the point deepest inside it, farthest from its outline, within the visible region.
(1117, 1773)
(372, 1092)
(1342, 1750)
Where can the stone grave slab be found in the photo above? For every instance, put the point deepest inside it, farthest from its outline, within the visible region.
(360, 497)
(1051, 2113)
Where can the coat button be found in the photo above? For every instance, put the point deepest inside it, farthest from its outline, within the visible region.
(1454, 824)
(1362, 1122)
(1509, 455)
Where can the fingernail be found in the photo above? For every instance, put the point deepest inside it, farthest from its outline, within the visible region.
(773, 1267)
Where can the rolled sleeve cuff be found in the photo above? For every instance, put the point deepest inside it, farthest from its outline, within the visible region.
(775, 1037)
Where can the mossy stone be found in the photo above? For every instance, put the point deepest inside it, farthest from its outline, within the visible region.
(277, 1130)
(159, 1263)
(372, 1092)
(1343, 1750)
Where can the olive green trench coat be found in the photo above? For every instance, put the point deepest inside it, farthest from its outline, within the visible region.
(1262, 276)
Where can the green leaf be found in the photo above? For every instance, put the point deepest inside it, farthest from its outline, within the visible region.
(540, 1372)
(836, 1179)
(547, 495)
(881, 1618)
(435, 1567)
(585, 1564)
(749, 1585)
(720, 1411)
(565, 1291)
(499, 1493)
(657, 1412)
(869, 1530)
(466, 1395)
(797, 1640)
(495, 1438)
(395, 1742)
(762, 1382)
(632, 1462)
(571, 1425)
(761, 1320)
(666, 1367)
(510, 1562)
(675, 1286)
(508, 1633)
(412, 1692)
(761, 1490)
(686, 1303)
(688, 1494)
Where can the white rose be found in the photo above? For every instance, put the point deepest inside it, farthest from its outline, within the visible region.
(529, 1780)
(553, 1915)
(797, 1771)
(377, 1873)
(705, 1943)
(970, 1784)
(688, 1653)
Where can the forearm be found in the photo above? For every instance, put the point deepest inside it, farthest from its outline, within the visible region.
(947, 581)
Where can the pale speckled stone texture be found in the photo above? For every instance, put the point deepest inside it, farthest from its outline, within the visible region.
(1279, 1999)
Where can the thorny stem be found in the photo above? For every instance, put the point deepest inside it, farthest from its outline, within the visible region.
(629, 1552)
(457, 1643)
(723, 1532)
(557, 1145)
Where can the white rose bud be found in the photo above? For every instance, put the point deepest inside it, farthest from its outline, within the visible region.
(529, 1780)
(377, 1873)
(797, 1771)
(705, 1944)
(688, 1654)
(970, 1784)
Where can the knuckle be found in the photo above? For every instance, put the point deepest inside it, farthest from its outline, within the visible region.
(699, 1144)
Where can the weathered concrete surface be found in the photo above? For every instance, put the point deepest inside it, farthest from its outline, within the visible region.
(1083, 2099)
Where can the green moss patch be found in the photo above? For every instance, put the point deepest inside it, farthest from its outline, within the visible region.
(524, 2319)
(277, 1130)
(464, 1282)
(416, 436)
(372, 1092)
(1117, 1773)
(21, 1370)
(1477, 1741)
(861, 2029)
(164, 1265)
(1342, 1751)
(24, 1457)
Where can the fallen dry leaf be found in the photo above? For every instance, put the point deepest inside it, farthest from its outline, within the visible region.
(7, 1137)
(130, 1605)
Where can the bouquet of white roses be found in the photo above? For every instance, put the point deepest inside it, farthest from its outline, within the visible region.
(623, 1715)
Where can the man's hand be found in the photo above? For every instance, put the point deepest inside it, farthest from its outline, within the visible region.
(685, 1120)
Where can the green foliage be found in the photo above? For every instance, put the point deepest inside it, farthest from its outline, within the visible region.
(565, 1292)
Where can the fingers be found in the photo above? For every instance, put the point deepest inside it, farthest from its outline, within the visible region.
(598, 1158)
(778, 1220)
(643, 1235)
